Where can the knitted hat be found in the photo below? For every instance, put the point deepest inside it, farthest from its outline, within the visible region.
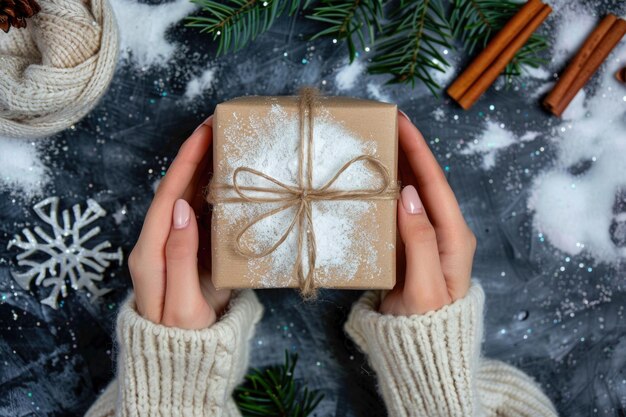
(53, 72)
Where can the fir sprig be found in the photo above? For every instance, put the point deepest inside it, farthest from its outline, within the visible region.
(234, 23)
(409, 47)
(406, 42)
(275, 392)
(349, 19)
(475, 22)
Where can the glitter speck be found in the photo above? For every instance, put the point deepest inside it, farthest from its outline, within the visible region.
(522, 315)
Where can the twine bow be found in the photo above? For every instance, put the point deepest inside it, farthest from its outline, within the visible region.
(300, 196)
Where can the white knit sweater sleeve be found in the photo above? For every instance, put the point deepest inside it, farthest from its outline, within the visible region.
(166, 371)
(430, 365)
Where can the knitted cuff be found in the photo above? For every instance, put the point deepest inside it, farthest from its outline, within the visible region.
(164, 371)
(507, 391)
(425, 363)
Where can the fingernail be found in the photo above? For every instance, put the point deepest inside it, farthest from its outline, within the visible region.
(207, 120)
(405, 115)
(181, 214)
(411, 200)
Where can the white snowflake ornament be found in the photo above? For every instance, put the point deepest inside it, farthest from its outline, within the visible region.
(50, 259)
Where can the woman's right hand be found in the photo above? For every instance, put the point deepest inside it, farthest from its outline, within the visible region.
(171, 287)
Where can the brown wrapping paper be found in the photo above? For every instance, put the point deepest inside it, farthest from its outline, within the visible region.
(355, 240)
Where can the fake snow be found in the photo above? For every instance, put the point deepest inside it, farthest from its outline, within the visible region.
(578, 203)
(22, 171)
(348, 74)
(493, 139)
(270, 145)
(567, 41)
(375, 91)
(143, 29)
(443, 78)
(200, 84)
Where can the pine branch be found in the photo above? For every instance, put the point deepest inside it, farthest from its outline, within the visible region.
(349, 19)
(235, 23)
(475, 22)
(274, 392)
(409, 46)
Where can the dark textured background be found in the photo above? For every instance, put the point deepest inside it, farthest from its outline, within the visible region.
(56, 362)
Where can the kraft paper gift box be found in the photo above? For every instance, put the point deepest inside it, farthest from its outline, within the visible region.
(270, 227)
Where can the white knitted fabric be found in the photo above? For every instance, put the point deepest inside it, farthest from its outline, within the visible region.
(427, 365)
(430, 365)
(53, 72)
(165, 371)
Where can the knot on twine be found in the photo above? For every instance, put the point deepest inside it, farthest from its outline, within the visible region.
(54, 71)
(300, 196)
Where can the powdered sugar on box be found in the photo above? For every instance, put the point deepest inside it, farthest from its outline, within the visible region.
(270, 143)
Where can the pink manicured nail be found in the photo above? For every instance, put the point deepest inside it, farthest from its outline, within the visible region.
(405, 115)
(411, 200)
(181, 214)
(207, 120)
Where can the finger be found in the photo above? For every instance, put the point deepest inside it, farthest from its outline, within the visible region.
(456, 241)
(179, 176)
(431, 181)
(201, 176)
(185, 306)
(149, 286)
(424, 284)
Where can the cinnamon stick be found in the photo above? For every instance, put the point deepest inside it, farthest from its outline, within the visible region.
(591, 65)
(573, 69)
(493, 71)
(621, 75)
(495, 46)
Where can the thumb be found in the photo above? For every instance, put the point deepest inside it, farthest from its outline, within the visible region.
(424, 284)
(185, 306)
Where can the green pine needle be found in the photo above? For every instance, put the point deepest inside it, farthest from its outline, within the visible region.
(409, 47)
(406, 42)
(275, 392)
(475, 22)
(235, 23)
(349, 19)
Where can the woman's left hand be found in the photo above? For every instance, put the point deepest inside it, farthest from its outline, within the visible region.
(436, 265)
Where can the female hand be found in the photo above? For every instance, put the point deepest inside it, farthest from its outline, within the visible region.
(171, 287)
(438, 245)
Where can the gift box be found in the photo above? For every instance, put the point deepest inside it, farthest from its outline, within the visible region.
(304, 193)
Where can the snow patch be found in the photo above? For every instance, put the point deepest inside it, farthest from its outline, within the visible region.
(348, 74)
(494, 139)
(576, 203)
(143, 29)
(200, 84)
(22, 171)
(375, 91)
